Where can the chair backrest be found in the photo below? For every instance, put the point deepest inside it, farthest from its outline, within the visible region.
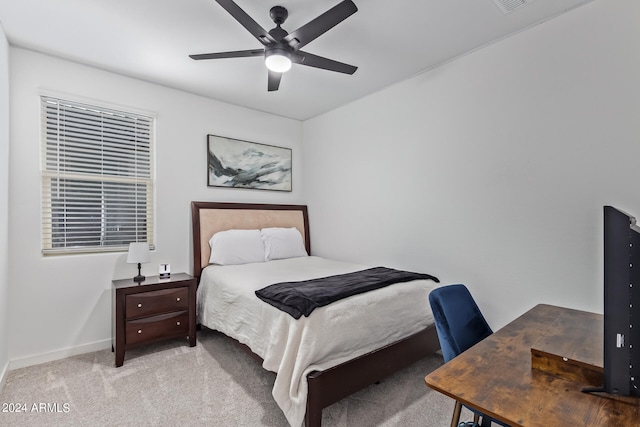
(459, 322)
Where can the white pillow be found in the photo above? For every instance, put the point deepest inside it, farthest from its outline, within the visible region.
(232, 247)
(280, 243)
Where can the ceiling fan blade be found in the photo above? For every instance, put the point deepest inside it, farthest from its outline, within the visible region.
(311, 60)
(231, 54)
(321, 24)
(274, 81)
(247, 22)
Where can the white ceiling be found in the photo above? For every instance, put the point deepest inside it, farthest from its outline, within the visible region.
(389, 41)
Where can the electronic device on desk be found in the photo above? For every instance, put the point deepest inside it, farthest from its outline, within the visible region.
(165, 271)
(621, 304)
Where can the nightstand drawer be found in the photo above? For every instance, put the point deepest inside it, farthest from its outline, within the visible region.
(157, 302)
(151, 328)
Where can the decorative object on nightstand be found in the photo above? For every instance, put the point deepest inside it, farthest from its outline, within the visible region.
(165, 271)
(154, 310)
(138, 254)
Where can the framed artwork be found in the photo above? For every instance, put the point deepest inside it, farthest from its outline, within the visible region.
(234, 163)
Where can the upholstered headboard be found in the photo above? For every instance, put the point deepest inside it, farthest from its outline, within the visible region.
(209, 218)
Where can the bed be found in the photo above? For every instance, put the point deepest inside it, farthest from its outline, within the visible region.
(313, 368)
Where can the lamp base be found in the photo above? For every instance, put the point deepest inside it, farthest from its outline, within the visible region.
(139, 278)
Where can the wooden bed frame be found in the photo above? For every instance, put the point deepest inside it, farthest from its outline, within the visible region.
(333, 384)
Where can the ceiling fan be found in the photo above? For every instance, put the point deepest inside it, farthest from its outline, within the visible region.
(282, 48)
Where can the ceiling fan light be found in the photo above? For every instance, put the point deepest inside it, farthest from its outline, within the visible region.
(277, 60)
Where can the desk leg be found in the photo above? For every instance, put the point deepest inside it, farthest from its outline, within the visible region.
(455, 420)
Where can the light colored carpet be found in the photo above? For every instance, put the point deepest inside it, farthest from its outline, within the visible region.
(215, 383)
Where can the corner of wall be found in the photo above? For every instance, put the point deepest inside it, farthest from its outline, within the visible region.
(3, 375)
(4, 210)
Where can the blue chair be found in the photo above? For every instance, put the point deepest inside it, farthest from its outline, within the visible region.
(460, 325)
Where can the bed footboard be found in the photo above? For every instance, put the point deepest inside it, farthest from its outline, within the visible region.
(333, 384)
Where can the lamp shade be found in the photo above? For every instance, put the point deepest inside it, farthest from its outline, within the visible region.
(138, 253)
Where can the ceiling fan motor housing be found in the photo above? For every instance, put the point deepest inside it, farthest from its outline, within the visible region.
(278, 33)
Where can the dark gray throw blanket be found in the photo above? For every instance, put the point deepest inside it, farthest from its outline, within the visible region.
(298, 298)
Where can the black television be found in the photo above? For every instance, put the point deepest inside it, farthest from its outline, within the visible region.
(621, 304)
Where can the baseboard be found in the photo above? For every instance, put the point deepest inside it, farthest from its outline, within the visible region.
(58, 354)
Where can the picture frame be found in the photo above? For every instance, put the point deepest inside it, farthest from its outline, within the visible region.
(234, 163)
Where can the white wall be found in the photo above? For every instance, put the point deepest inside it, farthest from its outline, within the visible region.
(62, 305)
(4, 201)
(493, 169)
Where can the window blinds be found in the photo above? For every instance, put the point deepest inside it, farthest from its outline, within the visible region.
(97, 178)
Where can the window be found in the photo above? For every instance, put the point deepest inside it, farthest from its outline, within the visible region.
(97, 178)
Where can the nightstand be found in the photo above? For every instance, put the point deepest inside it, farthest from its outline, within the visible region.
(152, 310)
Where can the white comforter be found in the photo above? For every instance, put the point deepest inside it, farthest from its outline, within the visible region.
(329, 336)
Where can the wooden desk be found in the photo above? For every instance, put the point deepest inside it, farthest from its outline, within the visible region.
(496, 378)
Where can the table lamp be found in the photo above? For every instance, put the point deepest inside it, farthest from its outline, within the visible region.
(138, 253)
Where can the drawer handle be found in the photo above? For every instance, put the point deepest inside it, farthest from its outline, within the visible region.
(139, 331)
(178, 323)
(139, 305)
(178, 299)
